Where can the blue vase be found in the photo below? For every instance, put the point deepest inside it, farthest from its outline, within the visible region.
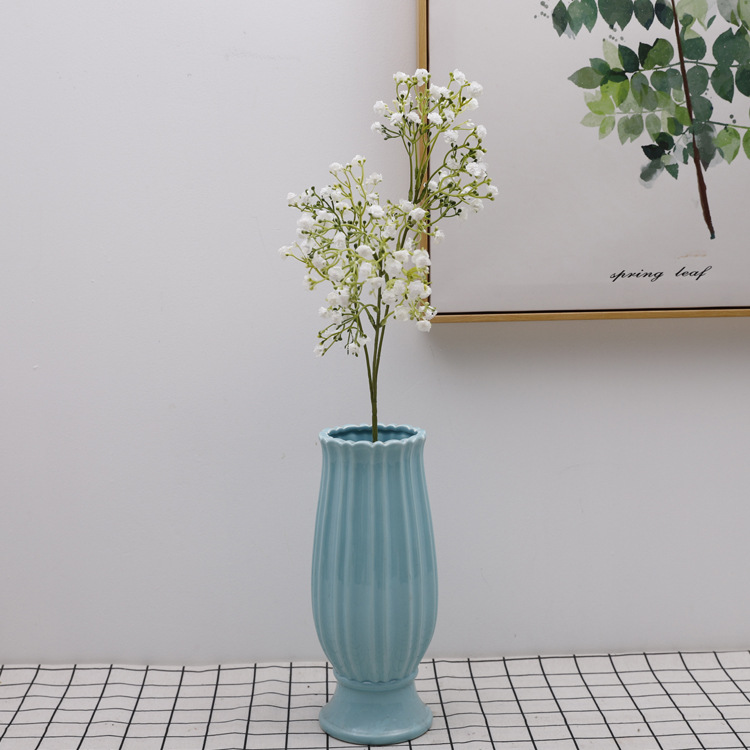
(374, 581)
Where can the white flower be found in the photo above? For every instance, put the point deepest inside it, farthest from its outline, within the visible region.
(373, 179)
(358, 159)
(435, 118)
(390, 297)
(432, 185)
(339, 241)
(291, 198)
(375, 283)
(343, 298)
(429, 313)
(449, 115)
(481, 131)
(399, 287)
(335, 167)
(416, 290)
(417, 214)
(421, 259)
(377, 212)
(365, 251)
(392, 266)
(336, 274)
(438, 235)
(376, 127)
(319, 350)
(414, 117)
(352, 348)
(365, 270)
(458, 76)
(421, 75)
(476, 168)
(401, 312)
(284, 251)
(476, 88)
(473, 103)
(400, 77)
(396, 118)
(323, 215)
(424, 325)
(318, 261)
(450, 136)
(492, 191)
(324, 312)
(305, 222)
(405, 205)
(401, 256)
(380, 108)
(336, 317)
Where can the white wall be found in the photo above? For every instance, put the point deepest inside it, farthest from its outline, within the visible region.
(160, 404)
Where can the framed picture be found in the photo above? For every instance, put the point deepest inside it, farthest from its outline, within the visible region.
(618, 134)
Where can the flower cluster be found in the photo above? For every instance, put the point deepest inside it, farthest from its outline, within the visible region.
(372, 252)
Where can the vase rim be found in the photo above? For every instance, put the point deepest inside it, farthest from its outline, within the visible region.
(361, 434)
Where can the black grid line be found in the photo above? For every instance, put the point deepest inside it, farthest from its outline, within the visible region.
(654, 701)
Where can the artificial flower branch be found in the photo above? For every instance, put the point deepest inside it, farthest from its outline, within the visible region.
(373, 253)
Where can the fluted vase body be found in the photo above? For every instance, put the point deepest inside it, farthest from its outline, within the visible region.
(374, 581)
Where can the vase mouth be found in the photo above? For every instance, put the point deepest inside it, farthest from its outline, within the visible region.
(387, 433)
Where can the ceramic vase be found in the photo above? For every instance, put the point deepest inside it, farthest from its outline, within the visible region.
(374, 581)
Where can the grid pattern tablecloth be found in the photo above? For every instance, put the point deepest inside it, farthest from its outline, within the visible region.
(664, 701)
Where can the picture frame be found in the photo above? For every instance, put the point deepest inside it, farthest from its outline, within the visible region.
(575, 232)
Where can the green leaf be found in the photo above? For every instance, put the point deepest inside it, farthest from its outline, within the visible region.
(702, 109)
(616, 12)
(673, 169)
(663, 11)
(611, 55)
(653, 125)
(728, 10)
(629, 59)
(601, 105)
(727, 48)
(560, 18)
(644, 12)
(722, 80)
(590, 13)
(639, 86)
(660, 81)
(591, 120)
(683, 116)
(651, 171)
(694, 48)
(659, 55)
(607, 126)
(575, 16)
(665, 141)
(600, 66)
(653, 151)
(697, 78)
(674, 126)
(698, 9)
(743, 10)
(586, 78)
(746, 143)
(742, 79)
(617, 89)
(728, 141)
(675, 78)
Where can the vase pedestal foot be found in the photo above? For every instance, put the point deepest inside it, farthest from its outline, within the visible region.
(375, 713)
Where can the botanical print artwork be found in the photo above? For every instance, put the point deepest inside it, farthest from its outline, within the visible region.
(678, 86)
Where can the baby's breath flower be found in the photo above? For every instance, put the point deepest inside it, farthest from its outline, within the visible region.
(370, 253)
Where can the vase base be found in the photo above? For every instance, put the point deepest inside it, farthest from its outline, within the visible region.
(366, 713)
